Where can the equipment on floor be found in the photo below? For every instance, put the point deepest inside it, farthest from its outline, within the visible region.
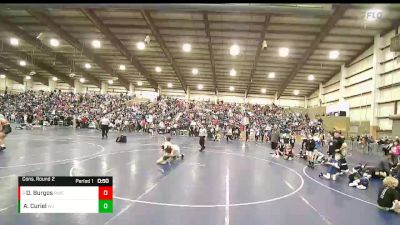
(121, 139)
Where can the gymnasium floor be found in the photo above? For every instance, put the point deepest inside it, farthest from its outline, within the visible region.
(234, 183)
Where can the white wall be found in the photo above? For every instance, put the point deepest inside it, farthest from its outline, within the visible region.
(358, 85)
(313, 99)
(40, 87)
(284, 101)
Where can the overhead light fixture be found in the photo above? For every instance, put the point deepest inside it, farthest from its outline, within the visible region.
(147, 40)
(14, 41)
(234, 50)
(311, 77)
(55, 78)
(22, 63)
(2, 76)
(141, 45)
(296, 92)
(96, 44)
(169, 85)
(71, 75)
(82, 80)
(231, 88)
(334, 54)
(32, 73)
(54, 42)
(139, 83)
(110, 81)
(232, 72)
(187, 47)
(122, 67)
(28, 77)
(88, 66)
(283, 52)
(264, 45)
(195, 71)
(158, 69)
(263, 90)
(39, 35)
(271, 75)
(200, 86)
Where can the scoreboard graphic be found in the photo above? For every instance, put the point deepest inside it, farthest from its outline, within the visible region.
(49, 194)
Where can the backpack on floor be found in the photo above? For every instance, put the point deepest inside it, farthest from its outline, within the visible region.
(121, 139)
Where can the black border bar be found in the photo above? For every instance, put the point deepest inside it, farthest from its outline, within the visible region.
(64, 181)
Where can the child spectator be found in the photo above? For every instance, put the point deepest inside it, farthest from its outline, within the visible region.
(388, 198)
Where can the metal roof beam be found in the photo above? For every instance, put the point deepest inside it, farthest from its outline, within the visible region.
(46, 20)
(25, 36)
(258, 53)
(91, 15)
(336, 16)
(146, 16)
(12, 76)
(40, 64)
(394, 26)
(24, 70)
(210, 49)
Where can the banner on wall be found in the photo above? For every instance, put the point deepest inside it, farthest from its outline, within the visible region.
(339, 107)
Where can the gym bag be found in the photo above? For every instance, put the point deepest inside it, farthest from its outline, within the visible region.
(121, 139)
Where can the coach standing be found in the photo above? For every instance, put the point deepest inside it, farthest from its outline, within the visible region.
(104, 126)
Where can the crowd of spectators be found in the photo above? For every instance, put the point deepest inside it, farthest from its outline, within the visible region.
(164, 115)
(43, 107)
(173, 115)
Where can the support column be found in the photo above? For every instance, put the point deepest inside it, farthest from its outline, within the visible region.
(377, 54)
(321, 99)
(104, 87)
(305, 102)
(276, 98)
(159, 91)
(78, 87)
(131, 89)
(216, 98)
(343, 72)
(28, 84)
(245, 97)
(52, 84)
(3, 84)
(187, 93)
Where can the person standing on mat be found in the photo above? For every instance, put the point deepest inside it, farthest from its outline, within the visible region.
(202, 135)
(104, 126)
(274, 140)
(5, 129)
(229, 134)
(310, 151)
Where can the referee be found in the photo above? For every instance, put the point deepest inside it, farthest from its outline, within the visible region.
(104, 126)
(202, 135)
